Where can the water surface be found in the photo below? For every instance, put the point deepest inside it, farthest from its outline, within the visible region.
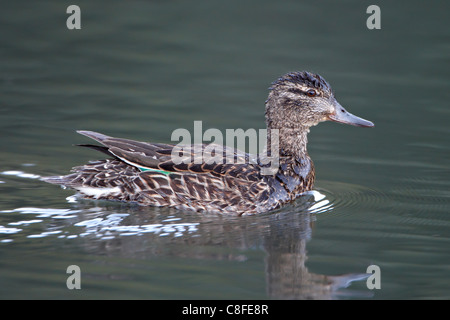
(142, 69)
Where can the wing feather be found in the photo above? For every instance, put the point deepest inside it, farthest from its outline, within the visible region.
(157, 156)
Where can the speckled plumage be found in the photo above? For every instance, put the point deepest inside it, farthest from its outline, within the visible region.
(144, 172)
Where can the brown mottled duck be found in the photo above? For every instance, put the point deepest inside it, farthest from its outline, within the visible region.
(145, 173)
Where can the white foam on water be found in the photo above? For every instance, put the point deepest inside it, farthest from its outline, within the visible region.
(20, 174)
(5, 230)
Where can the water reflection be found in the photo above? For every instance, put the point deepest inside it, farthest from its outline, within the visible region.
(115, 230)
(287, 276)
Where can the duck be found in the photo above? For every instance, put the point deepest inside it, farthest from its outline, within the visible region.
(146, 173)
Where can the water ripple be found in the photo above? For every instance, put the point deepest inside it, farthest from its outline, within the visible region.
(20, 174)
(103, 225)
(349, 196)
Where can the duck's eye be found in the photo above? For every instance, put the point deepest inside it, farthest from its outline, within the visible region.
(311, 93)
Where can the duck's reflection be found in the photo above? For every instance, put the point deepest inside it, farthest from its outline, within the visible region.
(282, 235)
(287, 276)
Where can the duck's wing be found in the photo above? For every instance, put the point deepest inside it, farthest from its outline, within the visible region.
(142, 155)
(209, 159)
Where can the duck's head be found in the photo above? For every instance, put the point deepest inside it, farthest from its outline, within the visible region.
(302, 100)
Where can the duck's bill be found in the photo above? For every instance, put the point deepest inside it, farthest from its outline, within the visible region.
(343, 116)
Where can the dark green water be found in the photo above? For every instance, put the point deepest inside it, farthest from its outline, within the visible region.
(141, 69)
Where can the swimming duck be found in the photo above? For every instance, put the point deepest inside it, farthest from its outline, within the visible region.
(145, 173)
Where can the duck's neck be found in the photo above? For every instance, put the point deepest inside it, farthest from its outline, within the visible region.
(295, 167)
(292, 143)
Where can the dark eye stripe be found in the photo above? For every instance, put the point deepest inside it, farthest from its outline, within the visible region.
(297, 91)
(309, 92)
